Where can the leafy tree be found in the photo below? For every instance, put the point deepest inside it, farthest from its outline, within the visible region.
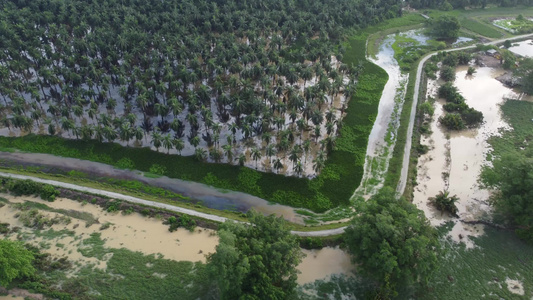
(447, 73)
(445, 27)
(15, 261)
(452, 121)
(525, 74)
(392, 241)
(257, 261)
(512, 176)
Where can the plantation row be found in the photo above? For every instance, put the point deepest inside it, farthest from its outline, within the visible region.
(220, 81)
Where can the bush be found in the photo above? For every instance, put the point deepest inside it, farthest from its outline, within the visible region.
(28, 187)
(445, 203)
(447, 73)
(452, 121)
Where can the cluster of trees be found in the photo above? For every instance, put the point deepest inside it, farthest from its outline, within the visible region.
(15, 261)
(392, 242)
(256, 261)
(182, 74)
(459, 115)
(525, 74)
(444, 27)
(389, 239)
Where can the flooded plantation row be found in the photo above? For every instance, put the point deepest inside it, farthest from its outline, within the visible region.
(149, 236)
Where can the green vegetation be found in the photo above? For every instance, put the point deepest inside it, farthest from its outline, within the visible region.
(511, 173)
(256, 262)
(520, 25)
(445, 203)
(15, 261)
(392, 242)
(444, 27)
(525, 73)
(480, 28)
(459, 115)
(482, 270)
(28, 187)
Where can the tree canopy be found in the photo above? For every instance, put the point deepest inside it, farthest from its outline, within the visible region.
(15, 261)
(525, 73)
(444, 27)
(256, 261)
(391, 241)
(512, 176)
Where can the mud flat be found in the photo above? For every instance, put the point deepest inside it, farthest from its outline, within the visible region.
(141, 234)
(134, 232)
(455, 158)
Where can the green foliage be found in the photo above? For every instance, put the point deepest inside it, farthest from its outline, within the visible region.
(15, 261)
(471, 71)
(28, 187)
(183, 221)
(256, 262)
(511, 172)
(126, 163)
(427, 108)
(430, 69)
(452, 121)
(157, 169)
(392, 241)
(444, 27)
(447, 73)
(460, 114)
(525, 73)
(445, 203)
(480, 28)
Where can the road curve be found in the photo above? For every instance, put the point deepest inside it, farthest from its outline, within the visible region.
(157, 204)
(407, 150)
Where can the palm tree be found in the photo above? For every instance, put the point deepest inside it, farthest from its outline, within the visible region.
(157, 139)
(242, 159)
(295, 154)
(200, 154)
(278, 165)
(167, 142)
(256, 155)
(228, 151)
(179, 144)
(298, 168)
(270, 151)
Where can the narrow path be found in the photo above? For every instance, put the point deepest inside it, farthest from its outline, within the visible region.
(407, 150)
(156, 204)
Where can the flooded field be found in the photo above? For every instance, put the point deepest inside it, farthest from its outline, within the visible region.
(523, 48)
(455, 158)
(139, 234)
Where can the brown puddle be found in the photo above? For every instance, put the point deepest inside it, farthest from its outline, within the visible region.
(455, 158)
(321, 264)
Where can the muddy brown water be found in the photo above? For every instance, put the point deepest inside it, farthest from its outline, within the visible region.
(150, 236)
(461, 154)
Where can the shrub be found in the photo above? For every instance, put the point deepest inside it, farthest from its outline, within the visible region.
(125, 163)
(452, 121)
(447, 73)
(445, 203)
(28, 187)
